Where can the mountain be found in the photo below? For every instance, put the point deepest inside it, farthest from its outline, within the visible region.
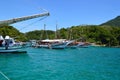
(114, 22)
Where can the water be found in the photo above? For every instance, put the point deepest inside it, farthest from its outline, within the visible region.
(69, 64)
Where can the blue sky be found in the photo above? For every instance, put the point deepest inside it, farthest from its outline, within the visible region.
(65, 13)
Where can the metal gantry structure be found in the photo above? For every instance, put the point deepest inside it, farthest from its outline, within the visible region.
(15, 20)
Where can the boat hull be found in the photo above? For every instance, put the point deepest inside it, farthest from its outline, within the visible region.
(13, 51)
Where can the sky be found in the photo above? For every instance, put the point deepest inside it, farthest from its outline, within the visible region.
(64, 13)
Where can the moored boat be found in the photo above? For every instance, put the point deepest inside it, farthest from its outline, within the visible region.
(71, 44)
(52, 43)
(84, 44)
(75, 44)
(60, 45)
(8, 45)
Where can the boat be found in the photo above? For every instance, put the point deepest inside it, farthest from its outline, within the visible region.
(8, 45)
(33, 43)
(84, 44)
(75, 44)
(59, 45)
(52, 43)
(72, 44)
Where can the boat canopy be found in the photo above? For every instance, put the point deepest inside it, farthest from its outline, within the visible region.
(53, 40)
(7, 37)
(1, 37)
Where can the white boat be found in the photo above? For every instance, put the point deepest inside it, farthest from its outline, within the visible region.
(72, 44)
(8, 45)
(52, 43)
(84, 44)
(60, 45)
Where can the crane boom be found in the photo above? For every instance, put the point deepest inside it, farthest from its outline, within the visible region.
(15, 20)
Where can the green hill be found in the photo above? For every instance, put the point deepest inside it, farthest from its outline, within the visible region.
(40, 34)
(12, 32)
(114, 22)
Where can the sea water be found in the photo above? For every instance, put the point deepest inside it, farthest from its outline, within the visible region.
(93, 63)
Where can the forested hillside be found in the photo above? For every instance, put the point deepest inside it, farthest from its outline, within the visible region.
(114, 22)
(12, 32)
(40, 34)
(92, 33)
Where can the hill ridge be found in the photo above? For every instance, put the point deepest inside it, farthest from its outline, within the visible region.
(113, 22)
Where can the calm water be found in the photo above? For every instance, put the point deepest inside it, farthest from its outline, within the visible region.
(69, 64)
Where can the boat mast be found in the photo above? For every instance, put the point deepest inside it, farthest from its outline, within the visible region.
(45, 31)
(57, 35)
(15, 20)
(56, 31)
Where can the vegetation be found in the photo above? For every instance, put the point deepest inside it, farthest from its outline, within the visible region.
(12, 32)
(40, 34)
(114, 22)
(104, 34)
(110, 36)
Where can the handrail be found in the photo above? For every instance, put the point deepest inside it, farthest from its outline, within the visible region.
(4, 75)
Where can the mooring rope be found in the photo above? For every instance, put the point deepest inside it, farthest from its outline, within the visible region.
(4, 75)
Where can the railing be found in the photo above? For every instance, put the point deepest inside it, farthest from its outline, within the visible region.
(4, 75)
